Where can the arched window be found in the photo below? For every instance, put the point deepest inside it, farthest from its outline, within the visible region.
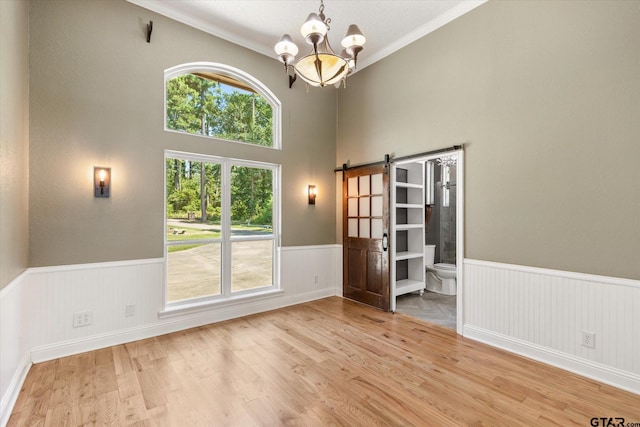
(222, 214)
(220, 101)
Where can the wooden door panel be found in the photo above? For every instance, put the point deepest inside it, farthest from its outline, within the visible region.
(375, 269)
(356, 278)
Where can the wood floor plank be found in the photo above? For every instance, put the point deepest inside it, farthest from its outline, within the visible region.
(132, 410)
(152, 389)
(105, 380)
(121, 360)
(330, 362)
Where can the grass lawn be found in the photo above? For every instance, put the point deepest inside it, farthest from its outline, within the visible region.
(186, 233)
(195, 234)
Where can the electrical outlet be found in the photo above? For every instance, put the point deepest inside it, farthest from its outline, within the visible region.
(315, 279)
(588, 339)
(83, 318)
(130, 311)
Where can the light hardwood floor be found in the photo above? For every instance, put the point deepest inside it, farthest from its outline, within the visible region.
(328, 362)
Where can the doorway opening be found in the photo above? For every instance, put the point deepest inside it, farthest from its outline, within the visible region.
(427, 231)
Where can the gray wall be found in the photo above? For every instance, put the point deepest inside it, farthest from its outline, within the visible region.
(97, 100)
(14, 139)
(546, 98)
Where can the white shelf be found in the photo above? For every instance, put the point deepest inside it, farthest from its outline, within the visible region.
(408, 226)
(408, 185)
(408, 285)
(408, 255)
(408, 272)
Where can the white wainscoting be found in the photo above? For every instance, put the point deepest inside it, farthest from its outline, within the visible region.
(37, 309)
(542, 313)
(102, 288)
(535, 312)
(311, 272)
(15, 326)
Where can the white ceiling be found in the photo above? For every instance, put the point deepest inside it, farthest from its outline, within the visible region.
(258, 24)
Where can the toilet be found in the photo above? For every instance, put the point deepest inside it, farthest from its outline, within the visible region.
(441, 277)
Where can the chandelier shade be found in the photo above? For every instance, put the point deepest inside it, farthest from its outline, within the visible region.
(322, 69)
(286, 49)
(313, 27)
(322, 66)
(353, 37)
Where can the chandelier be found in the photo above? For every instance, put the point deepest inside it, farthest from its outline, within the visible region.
(321, 66)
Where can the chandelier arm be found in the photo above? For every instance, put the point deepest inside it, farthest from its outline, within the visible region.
(314, 42)
(337, 73)
(318, 64)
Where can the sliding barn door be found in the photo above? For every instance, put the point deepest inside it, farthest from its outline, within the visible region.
(366, 235)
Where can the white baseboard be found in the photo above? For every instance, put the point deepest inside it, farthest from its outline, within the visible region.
(605, 374)
(10, 397)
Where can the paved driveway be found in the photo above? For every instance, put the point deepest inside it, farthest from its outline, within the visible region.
(195, 272)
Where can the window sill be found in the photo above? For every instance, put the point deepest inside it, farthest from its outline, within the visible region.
(209, 305)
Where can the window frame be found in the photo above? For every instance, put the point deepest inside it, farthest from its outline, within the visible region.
(237, 74)
(227, 239)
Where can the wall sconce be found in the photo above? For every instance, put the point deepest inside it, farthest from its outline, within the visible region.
(101, 181)
(312, 194)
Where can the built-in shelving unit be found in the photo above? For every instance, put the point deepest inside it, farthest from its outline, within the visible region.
(407, 226)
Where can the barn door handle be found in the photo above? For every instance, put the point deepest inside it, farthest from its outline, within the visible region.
(385, 242)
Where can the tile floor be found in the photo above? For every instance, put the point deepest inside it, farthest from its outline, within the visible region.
(431, 307)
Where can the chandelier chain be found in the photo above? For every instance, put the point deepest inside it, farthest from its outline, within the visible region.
(322, 16)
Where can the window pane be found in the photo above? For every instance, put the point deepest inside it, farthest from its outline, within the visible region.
(193, 200)
(376, 228)
(251, 264)
(376, 206)
(364, 228)
(364, 185)
(218, 106)
(352, 187)
(193, 271)
(376, 184)
(251, 201)
(352, 209)
(364, 206)
(353, 227)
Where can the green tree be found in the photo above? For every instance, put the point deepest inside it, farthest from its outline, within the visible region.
(206, 107)
(250, 189)
(192, 104)
(247, 118)
(213, 190)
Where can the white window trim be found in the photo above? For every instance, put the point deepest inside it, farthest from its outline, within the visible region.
(194, 307)
(226, 295)
(235, 73)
